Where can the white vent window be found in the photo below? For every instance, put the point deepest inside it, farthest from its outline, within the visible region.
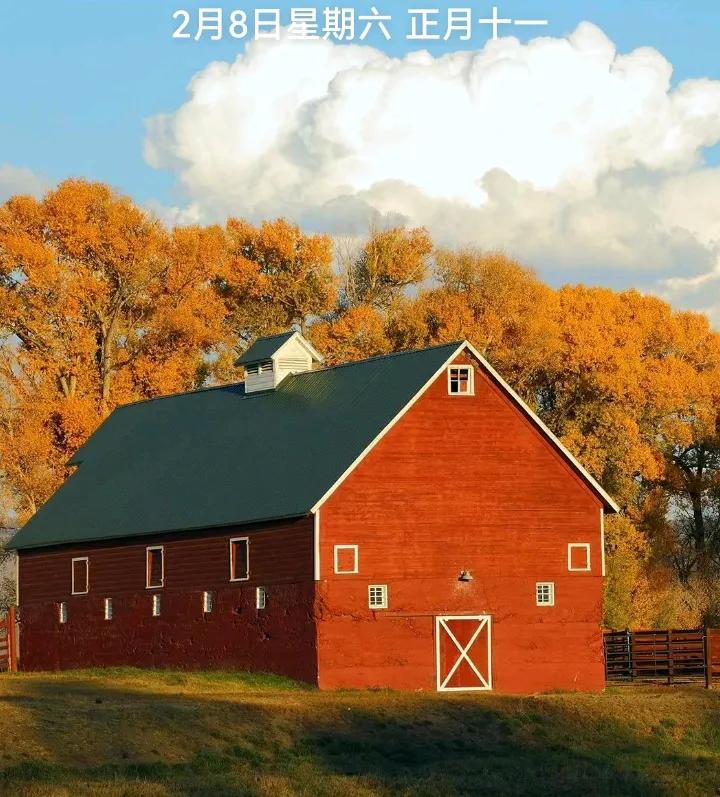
(579, 557)
(378, 596)
(156, 605)
(108, 609)
(545, 593)
(260, 598)
(256, 369)
(63, 612)
(460, 380)
(207, 602)
(346, 559)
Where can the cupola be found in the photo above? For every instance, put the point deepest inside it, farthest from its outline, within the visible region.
(269, 360)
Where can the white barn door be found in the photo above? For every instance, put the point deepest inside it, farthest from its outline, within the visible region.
(463, 653)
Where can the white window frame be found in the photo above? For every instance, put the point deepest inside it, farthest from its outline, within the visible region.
(551, 585)
(208, 602)
(246, 540)
(63, 612)
(471, 379)
(586, 546)
(108, 608)
(156, 605)
(87, 575)
(376, 606)
(260, 598)
(160, 548)
(356, 566)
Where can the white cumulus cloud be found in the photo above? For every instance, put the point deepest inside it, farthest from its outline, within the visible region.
(563, 151)
(19, 180)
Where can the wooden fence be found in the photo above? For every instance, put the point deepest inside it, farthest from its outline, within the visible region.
(673, 656)
(8, 641)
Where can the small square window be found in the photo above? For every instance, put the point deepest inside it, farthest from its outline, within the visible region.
(545, 593)
(63, 613)
(80, 576)
(378, 596)
(155, 567)
(156, 605)
(346, 559)
(108, 609)
(460, 380)
(239, 559)
(579, 557)
(260, 598)
(207, 602)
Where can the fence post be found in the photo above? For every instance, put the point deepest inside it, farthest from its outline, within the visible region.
(708, 659)
(12, 639)
(629, 644)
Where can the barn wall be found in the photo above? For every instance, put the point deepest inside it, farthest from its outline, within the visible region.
(461, 483)
(280, 638)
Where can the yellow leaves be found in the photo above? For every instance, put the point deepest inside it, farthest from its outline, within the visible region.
(356, 334)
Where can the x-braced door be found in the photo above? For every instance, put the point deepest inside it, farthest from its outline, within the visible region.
(463, 652)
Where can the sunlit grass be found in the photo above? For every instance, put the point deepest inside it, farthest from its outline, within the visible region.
(144, 732)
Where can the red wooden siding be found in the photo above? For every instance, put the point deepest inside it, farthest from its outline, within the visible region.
(279, 638)
(462, 483)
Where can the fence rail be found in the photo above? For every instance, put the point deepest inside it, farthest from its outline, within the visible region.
(676, 655)
(8, 641)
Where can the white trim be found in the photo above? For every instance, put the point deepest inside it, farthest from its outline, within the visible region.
(316, 543)
(384, 604)
(510, 392)
(260, 598)
(247, 558)
(160, 548)
(602, 540)
(586, 546)
(108, 608)
(550, 584)
(311, 350)
(471, 379)
(356, 568)
(156, 606)
(85, 591)
(208, 602)
(484, 621)
(63, 612)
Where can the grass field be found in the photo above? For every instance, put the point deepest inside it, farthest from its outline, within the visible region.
(141, 733)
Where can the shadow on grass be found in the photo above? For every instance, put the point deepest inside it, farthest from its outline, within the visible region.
(86, 736)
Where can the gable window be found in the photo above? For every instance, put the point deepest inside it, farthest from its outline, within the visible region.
(460, 380)
(80, 578)
(545, 593)
(156, 605)
(260, 598)
(346, 559)
(207, 602)
(63, 613)
(108, 609)
(579, 557)
(239, 559)
(378, 596)
(155, 567)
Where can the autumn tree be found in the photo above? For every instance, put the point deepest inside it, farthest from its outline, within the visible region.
(99, 305)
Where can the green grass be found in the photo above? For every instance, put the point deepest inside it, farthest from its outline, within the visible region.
(139, 733)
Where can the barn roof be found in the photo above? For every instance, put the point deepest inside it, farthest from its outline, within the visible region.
(220, 457)
(264, 348)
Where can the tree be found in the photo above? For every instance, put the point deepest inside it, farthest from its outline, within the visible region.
(357, 333)
(99, 305)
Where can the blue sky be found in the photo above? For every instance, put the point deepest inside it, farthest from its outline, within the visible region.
(81, 76)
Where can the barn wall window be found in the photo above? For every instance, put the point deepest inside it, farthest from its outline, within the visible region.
(80, 576)
(108, 609)
(155, 567)
(545, 593)
(207, 602)
(346, 559)
(579, 557)
(378, 596)
(156, 605)
(239, 559)
(260, 598)
(460, 380)
(63, 612)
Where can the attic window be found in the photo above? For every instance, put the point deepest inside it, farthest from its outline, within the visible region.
(460, 380)
(155, 573)
(239, 559)
(80, 580)
(255, 369)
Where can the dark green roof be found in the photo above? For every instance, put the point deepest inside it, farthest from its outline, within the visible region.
(263, 348)
(218, 457)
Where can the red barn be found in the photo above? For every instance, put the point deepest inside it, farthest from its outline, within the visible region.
(404, 521)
